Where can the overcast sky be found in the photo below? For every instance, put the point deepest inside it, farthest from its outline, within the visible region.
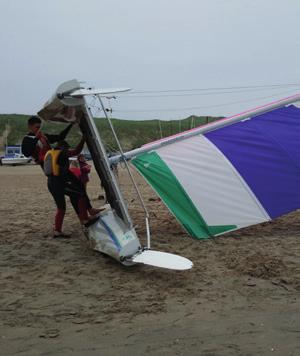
(150, 45)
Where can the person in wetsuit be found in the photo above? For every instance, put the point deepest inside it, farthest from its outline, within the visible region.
(64, 182)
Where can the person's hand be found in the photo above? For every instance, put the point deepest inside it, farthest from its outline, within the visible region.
(36, 129)
(38, 133)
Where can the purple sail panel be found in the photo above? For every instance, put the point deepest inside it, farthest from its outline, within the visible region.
(265, 150)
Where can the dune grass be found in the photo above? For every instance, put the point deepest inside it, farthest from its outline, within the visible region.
(131, 133)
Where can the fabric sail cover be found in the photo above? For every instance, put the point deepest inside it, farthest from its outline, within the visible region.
(236, 176)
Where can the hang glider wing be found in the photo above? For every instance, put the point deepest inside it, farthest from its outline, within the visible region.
(227, 178)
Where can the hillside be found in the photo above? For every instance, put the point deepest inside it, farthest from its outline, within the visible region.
(131, 133)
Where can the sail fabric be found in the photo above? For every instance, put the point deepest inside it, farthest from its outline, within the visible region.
(236, 176)
(266, 152)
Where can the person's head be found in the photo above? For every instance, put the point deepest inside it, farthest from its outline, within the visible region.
(34, 124)
(62, 145)
(74, 163)
(81, 157)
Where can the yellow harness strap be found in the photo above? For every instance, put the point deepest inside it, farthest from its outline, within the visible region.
(52, 155)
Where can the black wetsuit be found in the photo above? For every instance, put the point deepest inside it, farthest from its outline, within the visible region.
(66, 183)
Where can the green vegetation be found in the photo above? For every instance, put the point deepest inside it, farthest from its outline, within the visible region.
(131, 133)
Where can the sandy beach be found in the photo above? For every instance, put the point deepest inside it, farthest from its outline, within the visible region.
(58, 297)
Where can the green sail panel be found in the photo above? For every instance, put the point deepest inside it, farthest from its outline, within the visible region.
(165, 183)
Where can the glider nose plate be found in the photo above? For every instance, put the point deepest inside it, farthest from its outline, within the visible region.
(163, 260)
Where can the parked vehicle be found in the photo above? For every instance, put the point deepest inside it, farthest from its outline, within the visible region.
(17, 159)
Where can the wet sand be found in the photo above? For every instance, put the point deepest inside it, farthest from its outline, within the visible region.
(58, 297)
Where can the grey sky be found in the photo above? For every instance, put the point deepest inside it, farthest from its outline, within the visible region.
(149, 45)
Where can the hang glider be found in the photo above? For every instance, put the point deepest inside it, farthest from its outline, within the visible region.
(237, 172)
(229, 174)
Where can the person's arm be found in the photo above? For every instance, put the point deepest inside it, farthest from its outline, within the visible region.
(85, 168)
(59, 137)
(77, 149)
(43, 139)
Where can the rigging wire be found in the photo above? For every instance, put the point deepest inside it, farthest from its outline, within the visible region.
(205, 106)
(132, 96)
(215, 88)
(96, 109)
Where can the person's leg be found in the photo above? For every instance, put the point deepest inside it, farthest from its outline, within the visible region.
(59, 219)
(77, 196)
(73, 189)
(75, 185)
(83, 216)
(79, 204)
(56, 188)
(74, 201)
